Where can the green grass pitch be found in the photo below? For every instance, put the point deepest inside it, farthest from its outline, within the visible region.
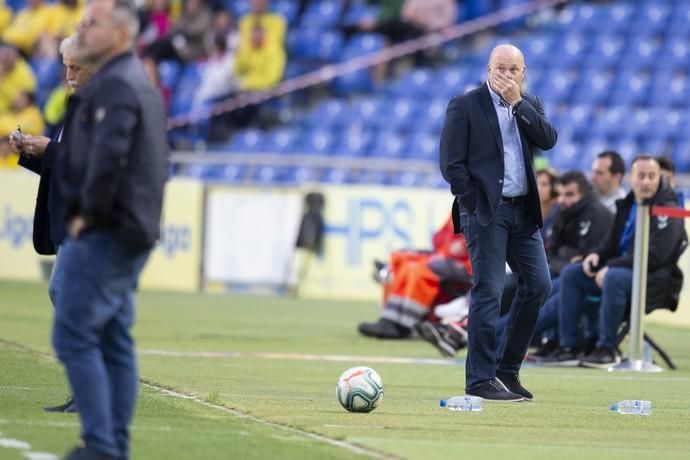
(258, 377)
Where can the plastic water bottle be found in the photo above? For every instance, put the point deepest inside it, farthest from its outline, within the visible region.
(647, 353)
(462, 403)
(633, 407)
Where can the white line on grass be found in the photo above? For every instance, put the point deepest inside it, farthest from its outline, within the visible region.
(334, 442)
(590, 374)
(303, 357)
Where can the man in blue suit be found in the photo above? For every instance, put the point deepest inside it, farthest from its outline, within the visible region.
(487, 146)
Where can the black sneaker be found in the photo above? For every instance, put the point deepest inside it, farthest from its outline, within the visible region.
(511, 382)
(384, 329)
(544, 350)
(491, 390)
(601, 358)
(562, 356)
(86, 453)
(69, 407)
(448, 338)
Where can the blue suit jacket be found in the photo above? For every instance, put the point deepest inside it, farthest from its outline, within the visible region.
(471, 152)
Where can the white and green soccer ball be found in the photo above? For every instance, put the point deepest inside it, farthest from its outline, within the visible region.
(360, 389)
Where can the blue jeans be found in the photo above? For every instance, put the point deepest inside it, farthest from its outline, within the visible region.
(56, 277)
(577, 292)
(512, 237)
(91, 335)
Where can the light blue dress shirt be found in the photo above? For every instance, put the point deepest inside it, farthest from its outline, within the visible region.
(514, 176)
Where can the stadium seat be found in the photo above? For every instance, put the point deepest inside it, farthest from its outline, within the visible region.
(248, 140)
(359, 81)
(282, 140)
(414, 84)
(301, 175)
(322, 14)
(168, 73)
(319, 141)
(337, 176)
(424, 146)
(328, 114)
(359, 11)
(354, 143)
(287, 8)
(390, 144)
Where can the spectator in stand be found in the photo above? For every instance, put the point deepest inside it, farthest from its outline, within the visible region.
(608, 170)
(217, 74)
(668, 170)
(608, 271)
(5, 15)
(64, 17)
(547, 185)
(24, 113)
(184, 41)
(28, 25)
(15, 76)
(272, 25)
(259, 66)
(154, 22)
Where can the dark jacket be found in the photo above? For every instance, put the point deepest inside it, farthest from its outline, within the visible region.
(578, 231)
(471, 152)
(49, 214)
(667, 240)
(116, 159)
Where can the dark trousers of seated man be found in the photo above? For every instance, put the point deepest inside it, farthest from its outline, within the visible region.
(577, 287)
(94, 314)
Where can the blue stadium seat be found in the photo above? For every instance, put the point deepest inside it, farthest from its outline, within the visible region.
(642, 51)
(450, 82)
(337, 176)
(680, 154)
(424, 146)
(283, 140)
(328, 114)
(360, 11)
(354, 143)
(248, 140)
(607, 50)
(270, 174)
(390, 144)
(373, 177)
(407, 179)
(302, 175)
(322, 14)
(632, 88)
(573, 49)
(359, 81)
(593, 87)
(558, 86)
(400, 114)
(315, 44)
(431, 115)
(416, 83)
(651, 17)
(670, 90)
(287, 8)
(366, 112)
(320, 141)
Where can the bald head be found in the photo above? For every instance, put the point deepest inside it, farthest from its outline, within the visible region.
(506, 61)
(507, 51)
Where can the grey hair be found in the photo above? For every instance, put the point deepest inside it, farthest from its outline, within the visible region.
(67, 44)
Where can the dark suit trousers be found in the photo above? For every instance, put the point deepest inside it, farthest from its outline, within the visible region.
(512, 236)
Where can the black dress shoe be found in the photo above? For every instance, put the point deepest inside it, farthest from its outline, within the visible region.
(511, 382)
(69, 406)
(491, 390)
(86, 453)
(384, 329)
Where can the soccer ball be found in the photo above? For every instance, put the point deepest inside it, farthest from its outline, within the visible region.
(360, 389)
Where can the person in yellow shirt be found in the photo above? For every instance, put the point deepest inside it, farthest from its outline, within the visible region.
(273, 24)
(15, 76)
(64, 15)
(28, 25)
(24, 113)
(261, 65)
(5, 15)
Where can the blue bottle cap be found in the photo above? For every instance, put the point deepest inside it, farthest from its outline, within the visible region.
(442, 403)
(613, 407)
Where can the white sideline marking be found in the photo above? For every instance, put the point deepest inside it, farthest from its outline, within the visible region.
(334, 442)
(40, 456)
(303, 357)
(11, 443)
